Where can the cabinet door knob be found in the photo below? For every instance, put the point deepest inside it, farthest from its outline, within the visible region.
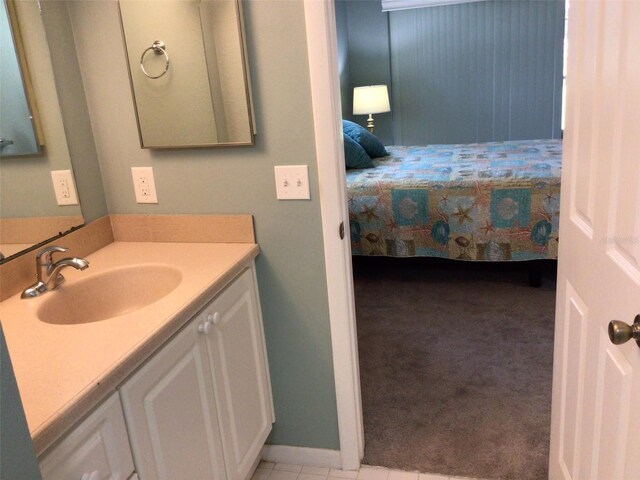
(204, 327)
(214, 318)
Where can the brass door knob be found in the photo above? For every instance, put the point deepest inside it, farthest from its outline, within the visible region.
(620, 332)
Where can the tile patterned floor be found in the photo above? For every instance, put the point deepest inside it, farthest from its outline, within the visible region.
(283, 471)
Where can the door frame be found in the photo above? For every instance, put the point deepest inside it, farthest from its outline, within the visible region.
(322, 51)
(327, 114)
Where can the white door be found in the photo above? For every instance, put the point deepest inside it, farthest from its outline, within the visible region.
(170, 411)
(238, 362)
(596, 384)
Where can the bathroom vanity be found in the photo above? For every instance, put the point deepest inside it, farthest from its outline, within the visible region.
(175, 388)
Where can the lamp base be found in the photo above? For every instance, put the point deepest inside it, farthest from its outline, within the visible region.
(370, 123)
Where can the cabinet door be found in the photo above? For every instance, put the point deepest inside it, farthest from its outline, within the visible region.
(238, 362)
(171, 415)
(97, 449)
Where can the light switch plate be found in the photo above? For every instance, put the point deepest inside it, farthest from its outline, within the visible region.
(292, 182)
(144, 185)
(64, 187)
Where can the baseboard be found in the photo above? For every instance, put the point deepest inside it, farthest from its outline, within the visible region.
(314, 457)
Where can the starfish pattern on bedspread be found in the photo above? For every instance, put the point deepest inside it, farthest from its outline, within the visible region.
(485, 201)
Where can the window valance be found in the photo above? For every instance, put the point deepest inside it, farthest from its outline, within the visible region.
(390, 5)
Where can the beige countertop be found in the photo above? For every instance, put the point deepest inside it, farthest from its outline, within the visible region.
(63, 371)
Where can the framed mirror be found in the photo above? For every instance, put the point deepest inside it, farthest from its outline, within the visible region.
(29, 211)
(188, 71)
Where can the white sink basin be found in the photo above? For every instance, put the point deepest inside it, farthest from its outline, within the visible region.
(108, 294)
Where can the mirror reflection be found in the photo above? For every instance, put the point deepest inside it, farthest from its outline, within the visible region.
(29, 210)
(18, 120)
(187, 66)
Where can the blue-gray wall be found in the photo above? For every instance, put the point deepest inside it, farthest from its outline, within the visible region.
(17, 458)
(474, 72)
(290, 267)
(368, 55)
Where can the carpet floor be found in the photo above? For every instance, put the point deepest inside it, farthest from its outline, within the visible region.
(455, 367)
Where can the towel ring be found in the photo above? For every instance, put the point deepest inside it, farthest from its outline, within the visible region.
(159, 48)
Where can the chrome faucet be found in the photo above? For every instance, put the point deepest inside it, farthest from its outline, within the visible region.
(48, 274)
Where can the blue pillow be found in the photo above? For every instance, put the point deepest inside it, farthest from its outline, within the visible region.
(367, 140)
(354, 154)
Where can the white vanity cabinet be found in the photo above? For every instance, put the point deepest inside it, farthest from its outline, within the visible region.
(98, 449)
(201, 407)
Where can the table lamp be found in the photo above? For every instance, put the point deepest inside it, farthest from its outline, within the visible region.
(369, 100)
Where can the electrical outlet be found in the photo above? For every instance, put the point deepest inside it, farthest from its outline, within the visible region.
(64, 187)
(144, 185)
(292, 182)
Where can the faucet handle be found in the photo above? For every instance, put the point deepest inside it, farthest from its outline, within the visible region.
(44, 256)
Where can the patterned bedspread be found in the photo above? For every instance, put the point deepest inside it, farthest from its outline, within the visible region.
(485, 201)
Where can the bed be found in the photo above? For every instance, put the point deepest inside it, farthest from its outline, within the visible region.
(494, 201)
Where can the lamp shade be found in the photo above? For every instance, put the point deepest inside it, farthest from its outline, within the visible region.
(371, 99)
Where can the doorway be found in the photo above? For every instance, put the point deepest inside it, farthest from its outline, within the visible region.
(317, 129)
(587, 437)
(456, 357)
